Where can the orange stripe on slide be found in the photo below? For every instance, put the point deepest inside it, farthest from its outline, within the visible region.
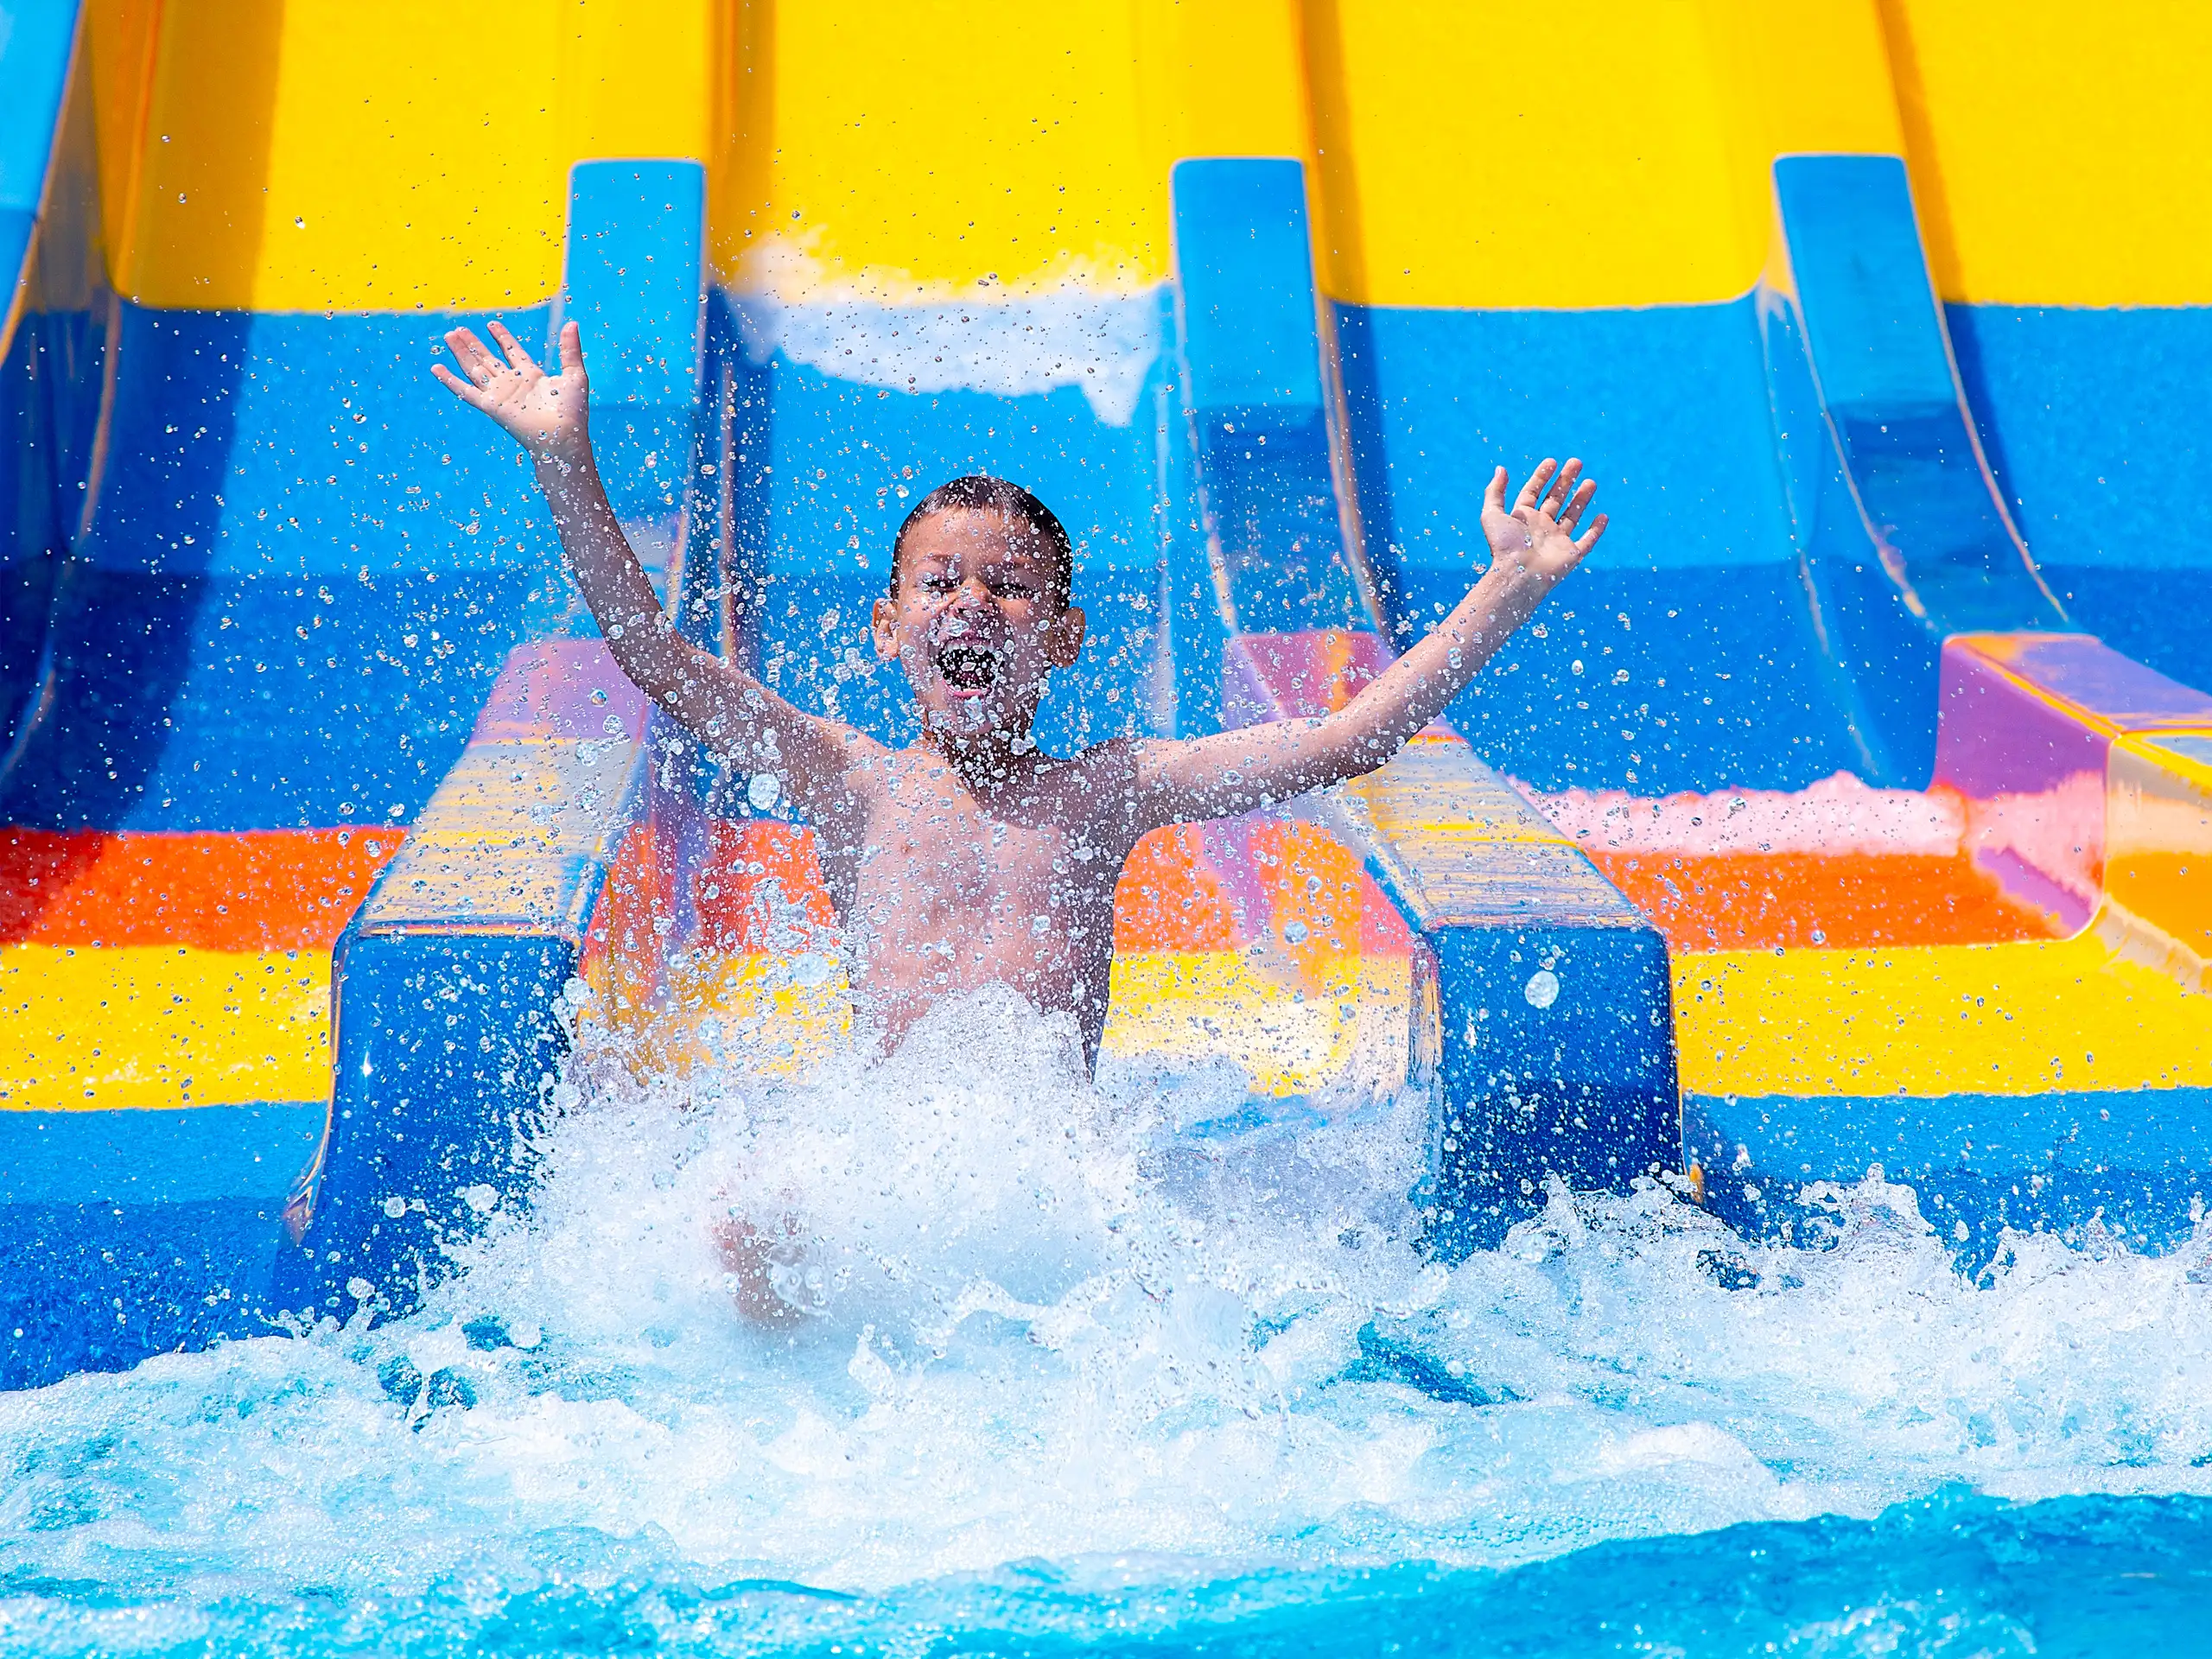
(1747, 901)
(747, 859)
(1320, 898)
(1170, 897)
(253, 890)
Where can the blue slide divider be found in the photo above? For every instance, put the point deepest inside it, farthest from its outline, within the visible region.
(1254, 396)
(1902, 536)
(632, 284)
(1551, 1006)
(1553, 1026)
(446, 987)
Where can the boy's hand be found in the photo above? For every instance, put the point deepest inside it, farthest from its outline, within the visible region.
(1537, 535)
(547, 414)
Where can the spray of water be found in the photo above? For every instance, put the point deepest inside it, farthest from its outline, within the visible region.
(901, 1322)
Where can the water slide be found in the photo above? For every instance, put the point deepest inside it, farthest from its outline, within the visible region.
(1839, 813)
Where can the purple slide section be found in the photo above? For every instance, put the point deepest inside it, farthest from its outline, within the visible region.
(1277, 675)
(2024, 712)
(2028, 721)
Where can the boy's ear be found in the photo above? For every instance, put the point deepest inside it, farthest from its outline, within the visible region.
(1064, 640)
(883, 627)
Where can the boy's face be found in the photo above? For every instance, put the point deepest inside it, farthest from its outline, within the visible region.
(976, 622)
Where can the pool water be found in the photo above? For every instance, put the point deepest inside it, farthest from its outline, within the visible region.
(1047, 1367)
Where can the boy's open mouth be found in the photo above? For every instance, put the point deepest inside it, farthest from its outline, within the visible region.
(968, 668)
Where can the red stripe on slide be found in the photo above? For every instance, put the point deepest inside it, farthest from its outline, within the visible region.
(248, 890)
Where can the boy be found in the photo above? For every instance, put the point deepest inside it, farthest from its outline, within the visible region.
(970, 857)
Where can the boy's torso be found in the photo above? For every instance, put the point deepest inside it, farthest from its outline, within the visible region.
(944, 890)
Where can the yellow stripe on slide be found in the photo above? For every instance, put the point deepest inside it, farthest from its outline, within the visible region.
(1191, 1005)
(2012, 1019)
(161, 1026)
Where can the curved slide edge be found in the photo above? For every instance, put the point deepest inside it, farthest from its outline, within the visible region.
(53, 328)
(1902, 537)
(35, 49)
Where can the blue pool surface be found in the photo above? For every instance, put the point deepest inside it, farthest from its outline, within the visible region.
(1954, 1574)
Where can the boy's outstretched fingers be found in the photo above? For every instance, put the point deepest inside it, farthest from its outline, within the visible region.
(1568, 514)
(1532, 491)
(1556, 498)
(475, 362)
(519, 360)
(1494, 493)
(1588, 540)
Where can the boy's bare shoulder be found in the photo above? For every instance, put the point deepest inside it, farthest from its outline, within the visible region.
(1099, 787)
(1103, 764)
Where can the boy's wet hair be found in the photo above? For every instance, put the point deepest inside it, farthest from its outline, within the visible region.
(980, 492)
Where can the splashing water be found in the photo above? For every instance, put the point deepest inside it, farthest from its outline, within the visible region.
(992, 1350)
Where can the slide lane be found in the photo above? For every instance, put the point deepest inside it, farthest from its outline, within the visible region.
(2084, 1037)
(1842, 524)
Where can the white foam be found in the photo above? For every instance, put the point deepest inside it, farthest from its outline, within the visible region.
(885, 329)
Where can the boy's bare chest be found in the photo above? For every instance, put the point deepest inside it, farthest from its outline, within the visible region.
(939, 851)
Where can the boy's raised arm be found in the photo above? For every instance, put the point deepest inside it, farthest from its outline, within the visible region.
(734, 714)
(1533, 545)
